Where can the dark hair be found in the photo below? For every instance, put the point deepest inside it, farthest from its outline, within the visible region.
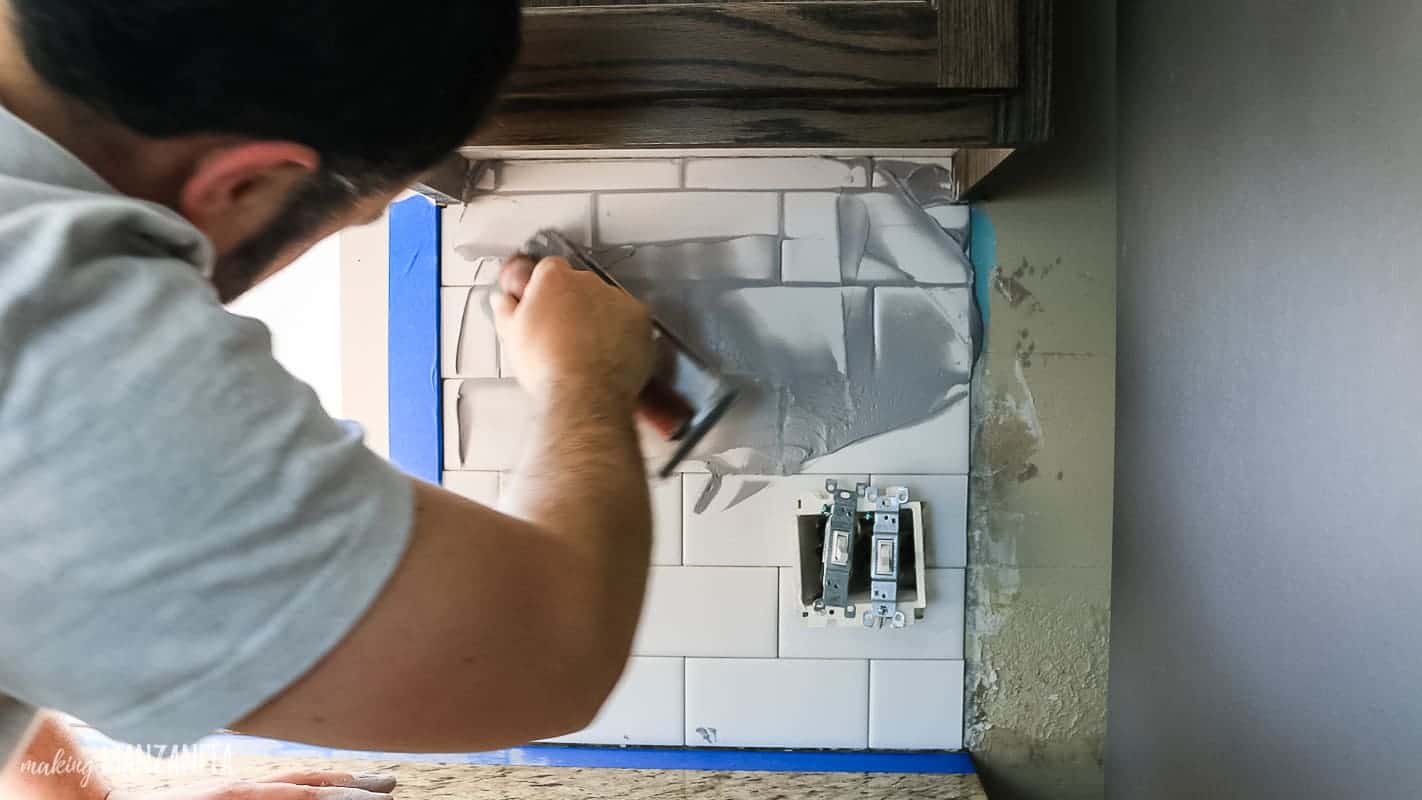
(381, 90)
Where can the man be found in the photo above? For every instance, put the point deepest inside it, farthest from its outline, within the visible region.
(187, 541)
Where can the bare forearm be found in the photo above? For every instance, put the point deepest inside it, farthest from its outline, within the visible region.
(583, 478)
(51, 767)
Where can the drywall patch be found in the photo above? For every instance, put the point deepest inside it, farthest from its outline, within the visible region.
(1007, 431)
(1050, 691)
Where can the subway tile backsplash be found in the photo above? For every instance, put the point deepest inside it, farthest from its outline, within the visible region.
(645, 709)
(816, 284)
(468, 345)
(939, 635)
(709, 611)
(738, 702)
(743, 520)
(673, 216)
(915, 705)
(798, 172)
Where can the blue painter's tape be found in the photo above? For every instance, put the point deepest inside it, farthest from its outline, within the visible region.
(982, 250)
(416, 443)
(668, 758)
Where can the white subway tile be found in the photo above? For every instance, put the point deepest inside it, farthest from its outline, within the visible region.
(748, 435)
(748, 520)
(776, 703)
(953, 218)
(506, 365)
(486, 424)
(890, 209)
(469, 347)
(918, 332)
(500, 225)
(739, 326)
(942, 167)
(481, 487)
(666, 521)
(588, 175)
(669, 217)
(935, 446)
(812, 215)
(923, 252)
(810, 261)
(903, 315)
(647, 708)
(743, 259)
(916, 705)
(777, 173)
(459, 271)
(939, 635)
(709, 611)
(902, 236)
(945, 501)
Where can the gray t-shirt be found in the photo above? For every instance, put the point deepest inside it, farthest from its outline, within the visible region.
(183, 530)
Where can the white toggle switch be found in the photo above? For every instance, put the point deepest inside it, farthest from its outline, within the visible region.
(884, 560)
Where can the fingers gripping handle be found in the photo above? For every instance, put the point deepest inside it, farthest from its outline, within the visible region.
(685, 396)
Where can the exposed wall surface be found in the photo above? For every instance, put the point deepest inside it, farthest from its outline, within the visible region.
(1266, 637)
(301, 307)
(841, 306)
(365, 310)
(1040, 532)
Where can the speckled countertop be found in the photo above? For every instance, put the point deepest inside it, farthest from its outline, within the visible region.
(421, 781)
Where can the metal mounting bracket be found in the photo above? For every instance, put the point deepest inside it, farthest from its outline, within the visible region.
(884, 561)
(839, 548)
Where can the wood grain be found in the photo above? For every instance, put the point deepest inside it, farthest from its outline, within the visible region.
(890, 120)
(849, 73)
(1025, 115)
(971, 165)
(980, 44)
(725, 48)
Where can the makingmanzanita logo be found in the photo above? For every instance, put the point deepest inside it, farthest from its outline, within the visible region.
(135, 761)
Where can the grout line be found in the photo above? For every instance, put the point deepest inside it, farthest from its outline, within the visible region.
(459, 334)
(780, 243)
(868, 700)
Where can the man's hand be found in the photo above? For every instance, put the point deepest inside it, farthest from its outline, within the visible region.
(71, 776)
(501, 627)
(566, 328)
(296, 786)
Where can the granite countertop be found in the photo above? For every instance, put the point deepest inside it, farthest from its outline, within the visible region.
(424, 781)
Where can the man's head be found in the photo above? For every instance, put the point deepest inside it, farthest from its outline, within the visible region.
(270, 123)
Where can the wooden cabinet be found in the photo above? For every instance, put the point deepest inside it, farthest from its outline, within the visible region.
(836, 74)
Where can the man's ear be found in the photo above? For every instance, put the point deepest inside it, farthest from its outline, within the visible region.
(234, 192)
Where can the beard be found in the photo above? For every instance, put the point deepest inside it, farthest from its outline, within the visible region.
(323, 198)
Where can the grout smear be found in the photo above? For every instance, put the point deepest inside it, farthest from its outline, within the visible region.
(827, 367)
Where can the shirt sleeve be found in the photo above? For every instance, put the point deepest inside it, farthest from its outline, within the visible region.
(186, 531)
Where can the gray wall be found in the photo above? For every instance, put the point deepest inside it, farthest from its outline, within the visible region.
(1267, 630)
